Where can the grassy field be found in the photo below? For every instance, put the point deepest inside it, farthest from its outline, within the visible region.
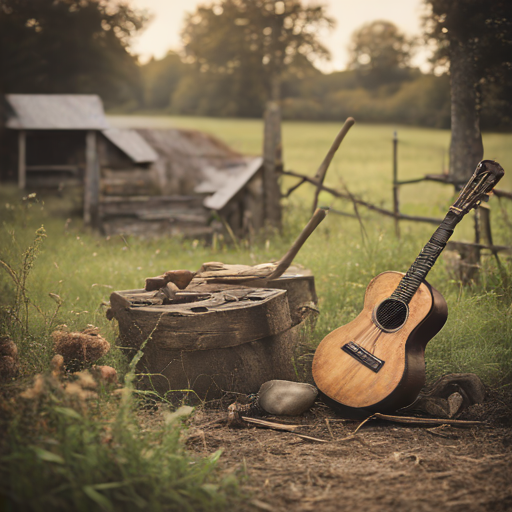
(82, 268)
(364, 161)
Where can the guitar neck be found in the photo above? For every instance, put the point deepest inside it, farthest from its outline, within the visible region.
(486, 176)
(425, 261)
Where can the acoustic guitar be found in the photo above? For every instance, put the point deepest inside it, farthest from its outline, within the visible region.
(376, 362)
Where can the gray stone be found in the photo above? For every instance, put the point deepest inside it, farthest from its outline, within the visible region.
(285, 398)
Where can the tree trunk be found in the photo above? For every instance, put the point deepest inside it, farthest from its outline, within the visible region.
(272, 157)
(466, 148)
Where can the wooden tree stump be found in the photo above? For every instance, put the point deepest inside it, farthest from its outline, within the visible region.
(213, 338)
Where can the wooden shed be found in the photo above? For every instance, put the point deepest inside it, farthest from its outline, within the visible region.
(64, 140)
(134, 181)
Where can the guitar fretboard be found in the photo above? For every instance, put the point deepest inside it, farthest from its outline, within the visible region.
(425, 261)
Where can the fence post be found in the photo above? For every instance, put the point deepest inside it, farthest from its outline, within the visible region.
(91, 180)
(22, 159)
(396, 208)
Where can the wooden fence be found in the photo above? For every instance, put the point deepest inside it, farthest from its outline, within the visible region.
(483, 230)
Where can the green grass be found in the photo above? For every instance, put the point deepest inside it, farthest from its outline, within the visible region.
(64, 452)
(82, 268)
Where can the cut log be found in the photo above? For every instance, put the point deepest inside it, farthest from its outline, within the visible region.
(181, 278)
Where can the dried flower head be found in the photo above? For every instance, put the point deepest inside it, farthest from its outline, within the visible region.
(80, 347)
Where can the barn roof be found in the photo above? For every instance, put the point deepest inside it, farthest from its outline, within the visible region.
(131, 143)
(56, 112)
(222, 197)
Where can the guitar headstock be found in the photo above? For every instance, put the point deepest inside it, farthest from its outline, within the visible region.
(477, 189)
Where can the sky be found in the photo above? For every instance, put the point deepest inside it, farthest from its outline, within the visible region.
(163, 32)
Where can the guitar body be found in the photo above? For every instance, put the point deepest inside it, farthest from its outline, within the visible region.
(354, 387)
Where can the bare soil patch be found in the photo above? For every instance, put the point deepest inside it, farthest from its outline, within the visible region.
(385, 466)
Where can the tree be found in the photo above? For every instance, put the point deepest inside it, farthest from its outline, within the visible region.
(161, 78)
(475, 36)
(380, 53)
(69, 46)
(253, 42)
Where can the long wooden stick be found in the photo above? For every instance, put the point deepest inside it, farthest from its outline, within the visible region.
(322, 170)
(287, 259)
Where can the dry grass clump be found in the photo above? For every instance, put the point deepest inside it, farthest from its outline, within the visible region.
(104, 374)
(78, 390)
(79, 348)
(9, 364)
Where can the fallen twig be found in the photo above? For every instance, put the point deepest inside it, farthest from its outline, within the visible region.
(272, 424)
(412, 420)
(283, 427)
(329, 428)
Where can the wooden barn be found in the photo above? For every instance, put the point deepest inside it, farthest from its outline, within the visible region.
(134, 181)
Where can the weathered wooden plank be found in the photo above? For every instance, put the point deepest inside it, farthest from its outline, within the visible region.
(221, 198)
(70, 168)
(152, 199)
(132, 207)
(133, 226)
(184, 216)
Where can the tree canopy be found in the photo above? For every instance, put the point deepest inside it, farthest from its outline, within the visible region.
(380, 52)
(379, 44)
(69, 46)
(252, 42)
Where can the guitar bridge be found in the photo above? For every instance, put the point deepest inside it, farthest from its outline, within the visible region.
(363, 356)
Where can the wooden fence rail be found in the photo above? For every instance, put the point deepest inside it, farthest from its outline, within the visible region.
(482, 215)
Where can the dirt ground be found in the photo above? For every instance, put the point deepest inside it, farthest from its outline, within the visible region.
(385, 466)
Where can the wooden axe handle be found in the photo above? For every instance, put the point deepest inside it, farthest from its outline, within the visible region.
(287, 259)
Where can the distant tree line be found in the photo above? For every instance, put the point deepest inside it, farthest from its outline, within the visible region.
(239, 53)
(379, 86)
(307, 94)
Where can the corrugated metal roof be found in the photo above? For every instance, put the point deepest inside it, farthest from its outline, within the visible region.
(222, 197)
(131, 143)
(56, 112)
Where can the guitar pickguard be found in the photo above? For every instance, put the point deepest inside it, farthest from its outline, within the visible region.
(363, 356)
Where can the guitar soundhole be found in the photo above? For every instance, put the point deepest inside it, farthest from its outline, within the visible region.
(391, 314)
